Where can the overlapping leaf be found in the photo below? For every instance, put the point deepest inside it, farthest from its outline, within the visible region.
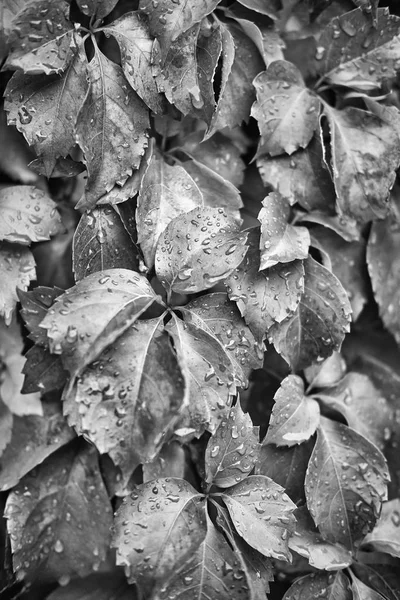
(17, 269)
(267, 40)
(334, 586)
(361, 591)
(385, 535)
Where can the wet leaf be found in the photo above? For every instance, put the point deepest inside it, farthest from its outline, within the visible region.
(28, 215)
(233, 450)
(64, 495)
(17, 269)
(43, 371)
(166, 192)
(262, 515)
(199, 249)
(111, 129)
(99, 586)
(346, 483)
(6, 423)
(286, 110)
(354, 52)
(97, 8)
(333, 586)
(365, 156)
(385, 535)
(319, 325)
(295, 416)
(261, 296)
(101, 242)
(362, 591)
(280, 242)
(35, 305)
(159, 526)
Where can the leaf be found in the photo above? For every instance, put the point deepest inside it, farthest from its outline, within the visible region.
(10, 388)
(366, 411)
(111, 129)
(171, 461)
(233, 450)
(101, 242)
(286, 110)
(35, 305)
(365, 156)
(308, 542)
(97, 8)
(381, 578)
(168, 21)
(15, 162)
(261, 296)
(270, 8)
(6, 423)
(362, 591)
(99, 586)
(346, 483)
(370, 7)
(385, 535)
(135, 43)
(262, 515)
(17, 269)
(43, 371)
(28, 215)
(280, 242)
(158, 528)
(131, 414)
(91, 315)
(346, 227)
(319, 325)
(166, 192)
(295, 416)
(388, 113)
(353, 52)
(66, 496)
(269, 43)
(327, 373)
(333, 586)
(198, 249)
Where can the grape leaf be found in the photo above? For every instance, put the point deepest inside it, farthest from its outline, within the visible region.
(385, 535)
(97, 8)
(35, 305)
(198, 249)
(91, 315)
(353, 52)
(333, 586)
(43, 371)
(295, 417)
(111, 129)
(166, 192)
(346, 483)
(6, 423)
(66, 495)
(280, 242)
(362, 591)
(270, 8)
(160, 525)
(261, 296)
(101, 242)
(99, 586)
(129, 415)
(45, 109)
(319, 325)
(28, 215)
(365, 156)
(262, 515)
(233, 450)
(17, 269)
(286, 110)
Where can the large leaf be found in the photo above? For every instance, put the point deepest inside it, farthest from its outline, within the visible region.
(365, 153)
(101, 242)
(17, 269)
(166, 192)
(111, 129)
(319, 325)
(346, 483)
(385, 535)
(35, 305)
(198, 249)
(280, 242)
(129, 415)
(354, 52)
(28, 215)
(91, 315)
(45, 109)
(264, 297)
(294, 417)
(286, 110)
(332, 586)
(157, 529)
(59, 517)
(233, 450)
(262, 515)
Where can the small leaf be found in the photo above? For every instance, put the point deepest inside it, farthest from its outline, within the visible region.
(348, 468)
(319, 325)
(280, 242)
(264, 297)
(333, 586)
(101, 242)
(99, 586)
(362, 591)
(35, 305)
(17, 269)
(6, 423)
(159, 526)
(11, 385)
(47, 509)
(262, 515)
(327, 373)
(385, 535)
(286, 110)
(198, 249)
(97, 8)
(233, 450)
(166, 192)
(295, 416)
(111, 129)
(43, 371)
